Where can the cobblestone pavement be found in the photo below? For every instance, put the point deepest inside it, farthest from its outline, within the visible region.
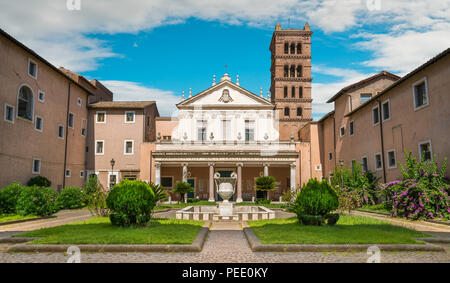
(226, 243)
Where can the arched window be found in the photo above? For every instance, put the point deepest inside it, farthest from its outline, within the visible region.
(300, 92)
(299, 111)
(286, 48)
(25, 103)
(293, 92)
(286, 111)
(285, 92)
(299, 71)
(299, 48)
(292, 48)
(286, 71)
(292, 71)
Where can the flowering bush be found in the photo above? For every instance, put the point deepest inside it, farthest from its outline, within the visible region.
(8, 198)
(354, 187)
(422, 194)
(36, 201)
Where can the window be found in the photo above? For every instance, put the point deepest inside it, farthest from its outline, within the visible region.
(38, 125)
(60, 131)
(351, 128)
(36, 169)
(293, 92)
(300, 92)
(79, 101)
(286, 71)
(299, 111)
(386, 109)
(378, 162)
(286, 111)
(81, 174)
(299, 71)
(286, 48)
(129, 116)
(285, 92)
(25, 103)
(420, 94)
(292, 72)
(364, 97)
(425, 151)
(101, 117)
(299, 48)
(330, 156)
(375, 115)
(68, 172)
(129, 147)
(292, 48)
(226, 130)
(249, 130)
(99, 147)
(71, 118)
(167, 182)
(32, 68)
(83, 127)
(392, 161)
(9, 113)
(342, 131)
(364, 164)
(201, 130)
(41, 96)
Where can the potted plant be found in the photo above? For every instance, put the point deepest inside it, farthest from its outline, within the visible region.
(266, 184)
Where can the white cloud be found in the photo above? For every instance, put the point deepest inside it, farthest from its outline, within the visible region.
(132, 91)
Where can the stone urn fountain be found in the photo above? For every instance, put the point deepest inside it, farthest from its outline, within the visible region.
(225, 188)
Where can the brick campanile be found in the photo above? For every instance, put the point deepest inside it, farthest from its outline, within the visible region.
(291, 78)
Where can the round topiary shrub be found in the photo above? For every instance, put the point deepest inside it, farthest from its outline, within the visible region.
(332, 219)
(130, 202)
(8, 198)
(37, 201)
(71, 198)
(315, 199)
(39, 181)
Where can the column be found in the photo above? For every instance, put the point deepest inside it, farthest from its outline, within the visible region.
(266, 169)
(293, 183)
(239, 182)
(185, 177)
(211, 182)
(157, 173)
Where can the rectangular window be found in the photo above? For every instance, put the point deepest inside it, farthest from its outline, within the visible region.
(420, 90)
(32, 68)
(9, 113)
(79, 101)
(38, 125)
(129, 116)
(99, 150)
(285, 92)
(226, 130)
(83, 127)
(201, 130)
(378, 162)
(364, 164)
(375, 116)
(342, 131)
(293, 92)
(41, 96)
(386, 106)
(101, 117)
(425, 151)
(392, 161)
(364, 97)
(167, 182)
(81, 174)
(351, 128)
(300, 92)
(71, 119)
(36, 166)
(129, 147)
(330, 156)
(68, 172)
(249, 130)
(60, 131)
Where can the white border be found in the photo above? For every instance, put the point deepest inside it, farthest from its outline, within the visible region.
(61, 125)
(134, 117)
(95, 149)
(32, 167)
(125, 147)
(28, 68)
(70, 173)
(32, 103)
(35, 123)
(4, 113)
(382, 110)
(431, 149)
(38, 96)
(379, 116)
(340, 131)
(96, 119)
(424, 79)
(79, 101)
(73, 120)
(375, 161)
(388, 161)
(329, 159)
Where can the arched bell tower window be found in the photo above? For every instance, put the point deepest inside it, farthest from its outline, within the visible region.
(293, 92)
(286, 111)
(299, 111)
(292, 71)
(299, 48)
(286, 71)
(292, 48)
(299, 71)
(285, 92)
(25, 103)
(286, 48)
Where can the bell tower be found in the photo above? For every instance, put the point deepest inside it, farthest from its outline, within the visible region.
(291, 78)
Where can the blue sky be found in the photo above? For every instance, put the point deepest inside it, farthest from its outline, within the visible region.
(153, 50)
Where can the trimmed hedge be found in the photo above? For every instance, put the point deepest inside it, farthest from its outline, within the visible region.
(39, 181)
(36, 201)
(71, 198)
(8, 198)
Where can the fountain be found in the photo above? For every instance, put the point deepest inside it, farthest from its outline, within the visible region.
(225, 210)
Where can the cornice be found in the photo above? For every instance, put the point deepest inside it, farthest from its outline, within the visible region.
(293, 79)
(295, 119)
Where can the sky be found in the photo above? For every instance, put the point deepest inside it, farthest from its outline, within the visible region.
(155, 49)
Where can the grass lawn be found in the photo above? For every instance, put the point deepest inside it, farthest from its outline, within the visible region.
(14, 217)
(349, 230)
(376, 208)
(99, 230)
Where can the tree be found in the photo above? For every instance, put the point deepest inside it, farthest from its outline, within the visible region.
(160, 193)
(266, 184)
(183, 188)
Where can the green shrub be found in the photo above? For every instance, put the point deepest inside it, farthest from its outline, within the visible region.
(37, 201)
(193, 200)
(316, 198)
(262, 201)
(306, 219)
(39, 181)
(265, 184)
(71, 198)
(159, 191)
(183, 188)
(8, 198)
(130, 202)
(332, 219)
(95, 196)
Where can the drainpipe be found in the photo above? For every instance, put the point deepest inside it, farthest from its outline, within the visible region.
(151, 153)
(334, 142)
(67, 135)
(382, 141)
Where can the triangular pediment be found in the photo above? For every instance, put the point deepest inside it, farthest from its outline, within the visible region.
(226, 95)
